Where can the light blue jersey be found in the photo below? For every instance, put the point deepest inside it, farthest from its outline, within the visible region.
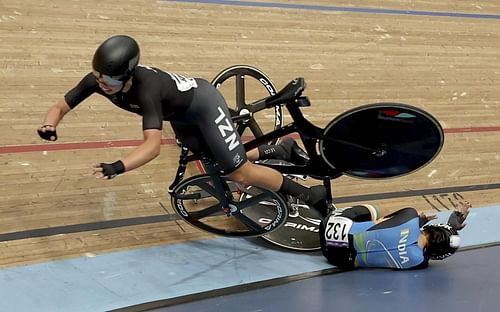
(395, 247)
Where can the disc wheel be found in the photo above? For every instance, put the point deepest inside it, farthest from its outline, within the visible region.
(301, 229)
(381, 140)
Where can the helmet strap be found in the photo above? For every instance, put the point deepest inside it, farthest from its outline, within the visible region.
(125, 83)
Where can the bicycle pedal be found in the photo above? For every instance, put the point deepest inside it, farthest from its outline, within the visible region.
(229, 210)
(293, 213)
(297, 206)
(294, 176)
(298, 177)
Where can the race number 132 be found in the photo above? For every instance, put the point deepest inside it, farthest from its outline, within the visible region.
(337, 229)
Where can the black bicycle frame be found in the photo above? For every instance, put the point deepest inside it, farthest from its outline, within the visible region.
(309, 134)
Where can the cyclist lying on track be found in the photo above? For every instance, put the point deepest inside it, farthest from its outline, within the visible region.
(197, 111)
(357, 237)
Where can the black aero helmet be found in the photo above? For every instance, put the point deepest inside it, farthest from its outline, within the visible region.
(443, 241)
(117, 57)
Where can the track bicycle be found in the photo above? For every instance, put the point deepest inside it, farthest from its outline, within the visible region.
(242, 85)
(373, 141)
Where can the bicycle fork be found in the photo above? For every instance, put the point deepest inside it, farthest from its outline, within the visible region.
(183, 160)
(223, 193)
(327, 182)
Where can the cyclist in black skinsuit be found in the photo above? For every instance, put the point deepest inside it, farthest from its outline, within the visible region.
(197, 111)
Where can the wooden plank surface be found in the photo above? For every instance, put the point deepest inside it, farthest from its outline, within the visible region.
(445, 65)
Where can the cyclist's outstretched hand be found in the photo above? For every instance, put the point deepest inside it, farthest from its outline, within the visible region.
(464, 209)
(108, 171)
(47, 132)
(457, 217)
(426, 218)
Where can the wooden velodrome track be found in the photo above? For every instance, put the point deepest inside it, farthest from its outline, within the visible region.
(50, 205)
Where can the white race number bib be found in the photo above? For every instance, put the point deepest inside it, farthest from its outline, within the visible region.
(183, 83)
(337, 230)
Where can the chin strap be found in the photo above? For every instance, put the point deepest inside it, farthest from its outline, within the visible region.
(124, 83)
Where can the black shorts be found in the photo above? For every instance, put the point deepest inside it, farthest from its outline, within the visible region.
(206, 128)
(343, 257)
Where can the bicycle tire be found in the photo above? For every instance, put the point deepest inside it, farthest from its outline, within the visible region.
(206, 212)
(241, 104)
(381, 140)
(300, 231)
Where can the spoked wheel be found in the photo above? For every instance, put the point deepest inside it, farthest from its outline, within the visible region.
(242, 85)
(197, 202)
(381, 140)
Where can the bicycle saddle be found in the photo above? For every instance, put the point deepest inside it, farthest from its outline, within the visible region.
(290, 92)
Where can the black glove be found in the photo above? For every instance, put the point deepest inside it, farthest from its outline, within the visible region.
(112, 170)
(456, 220)
(46, 134)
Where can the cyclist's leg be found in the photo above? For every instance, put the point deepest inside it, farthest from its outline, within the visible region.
(188, 136)
(359, 213)
(280, 151)
(210, 113)
(254, 174)
(209, 110)
(372, 212)
(253, 154)
(287, 150)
